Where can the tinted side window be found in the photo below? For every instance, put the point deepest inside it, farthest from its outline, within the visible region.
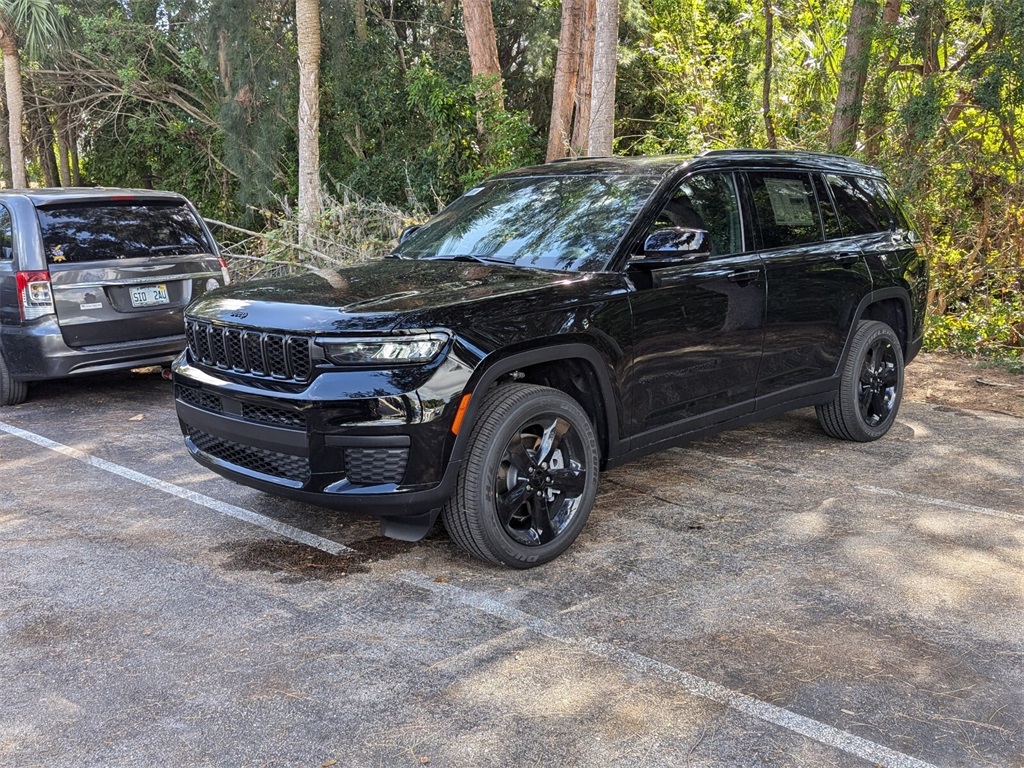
(895, 211)
(829, 217)
(6, 241)
(709, 202)
(859, 202)
(109, 230)
(787, 212)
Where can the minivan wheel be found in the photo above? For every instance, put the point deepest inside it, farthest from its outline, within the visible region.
(11, 392)
(529, 478)
(865, 406)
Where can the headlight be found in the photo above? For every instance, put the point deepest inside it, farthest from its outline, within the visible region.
(421, 348)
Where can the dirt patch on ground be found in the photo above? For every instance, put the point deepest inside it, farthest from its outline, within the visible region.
(962, 382)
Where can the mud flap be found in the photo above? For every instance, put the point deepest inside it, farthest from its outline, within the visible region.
(409, 528)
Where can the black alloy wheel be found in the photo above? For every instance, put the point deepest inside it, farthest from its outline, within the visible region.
(541, 480)
(529, 479)
(879, 382)
(871, 386)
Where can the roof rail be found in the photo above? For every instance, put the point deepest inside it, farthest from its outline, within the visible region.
(752, 151)
(582, 157)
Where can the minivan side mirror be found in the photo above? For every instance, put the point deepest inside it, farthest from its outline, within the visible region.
(673, 245)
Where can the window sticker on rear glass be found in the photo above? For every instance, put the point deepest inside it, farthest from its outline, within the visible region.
(791, 203)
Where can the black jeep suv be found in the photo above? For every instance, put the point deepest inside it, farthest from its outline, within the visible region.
(553, 321)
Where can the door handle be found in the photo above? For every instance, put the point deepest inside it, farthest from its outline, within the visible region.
(743, 276)
(845, 258)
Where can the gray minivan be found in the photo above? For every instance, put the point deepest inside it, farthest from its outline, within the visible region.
(95, 280)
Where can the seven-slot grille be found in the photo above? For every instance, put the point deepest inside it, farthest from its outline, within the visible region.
(272, 355)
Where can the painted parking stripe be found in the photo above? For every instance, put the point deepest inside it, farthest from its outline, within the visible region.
(941, 503)
(697, 686)
(946, 503)
(254, 518)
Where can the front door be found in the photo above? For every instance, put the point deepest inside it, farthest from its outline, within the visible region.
(698, 327)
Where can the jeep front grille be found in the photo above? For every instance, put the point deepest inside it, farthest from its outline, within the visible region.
(271, 355)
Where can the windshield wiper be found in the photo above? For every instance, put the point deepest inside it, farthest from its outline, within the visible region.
(470, 257)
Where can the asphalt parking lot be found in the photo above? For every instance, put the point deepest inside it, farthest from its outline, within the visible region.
(768, 597)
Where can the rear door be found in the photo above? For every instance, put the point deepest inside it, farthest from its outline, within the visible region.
(814, 283)
(123, 270)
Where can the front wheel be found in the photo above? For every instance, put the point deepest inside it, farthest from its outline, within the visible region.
(529, 479)
(871, 387)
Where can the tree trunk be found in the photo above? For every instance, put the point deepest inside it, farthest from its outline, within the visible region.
(76, 166)
(43, 139)
(307, 31)
(482, 42)
(5, 148)
(602, 102)
(585, 79)
(224, 65)
(766, 87)
(15, 104)
(361, 20)
(852, 76)
(567, 67)
(63, 163)
(878, 100)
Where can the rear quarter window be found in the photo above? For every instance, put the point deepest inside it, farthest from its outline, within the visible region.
(109, 231)
(860, 204)
(6, 235)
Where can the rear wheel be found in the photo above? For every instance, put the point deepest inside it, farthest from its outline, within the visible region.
(11, 392)
(529, 479)
(865, 406)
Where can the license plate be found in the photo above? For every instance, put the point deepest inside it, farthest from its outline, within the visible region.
(149, 295)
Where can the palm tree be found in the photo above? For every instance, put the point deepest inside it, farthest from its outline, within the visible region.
(307, 33)
(33, 24)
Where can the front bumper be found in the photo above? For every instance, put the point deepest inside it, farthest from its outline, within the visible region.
(361, 442)
(37, 351)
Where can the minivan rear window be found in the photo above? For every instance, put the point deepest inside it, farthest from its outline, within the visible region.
(109, 231)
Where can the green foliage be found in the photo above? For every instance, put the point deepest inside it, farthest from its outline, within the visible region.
(202, 97)
(986, 326)
(473, 135)
(39, 24)
(135, 139)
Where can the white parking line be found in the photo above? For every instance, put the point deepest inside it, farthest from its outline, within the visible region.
(942, 503)
(754, 467)
(697, 686)
(281, 529)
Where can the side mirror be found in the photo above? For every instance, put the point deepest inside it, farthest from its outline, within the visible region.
(674, 245)
(407, 232)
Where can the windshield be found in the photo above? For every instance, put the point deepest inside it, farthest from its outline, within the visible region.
(568, 223)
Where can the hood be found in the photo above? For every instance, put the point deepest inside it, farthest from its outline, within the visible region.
(376, 296)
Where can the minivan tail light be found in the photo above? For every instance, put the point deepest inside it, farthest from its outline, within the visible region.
(224, 270)
(35, 298)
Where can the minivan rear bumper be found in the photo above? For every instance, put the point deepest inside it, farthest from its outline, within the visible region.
(38, 351)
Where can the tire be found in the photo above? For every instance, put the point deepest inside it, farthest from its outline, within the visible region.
(871, 386)
(529, 478)
(11, 392)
